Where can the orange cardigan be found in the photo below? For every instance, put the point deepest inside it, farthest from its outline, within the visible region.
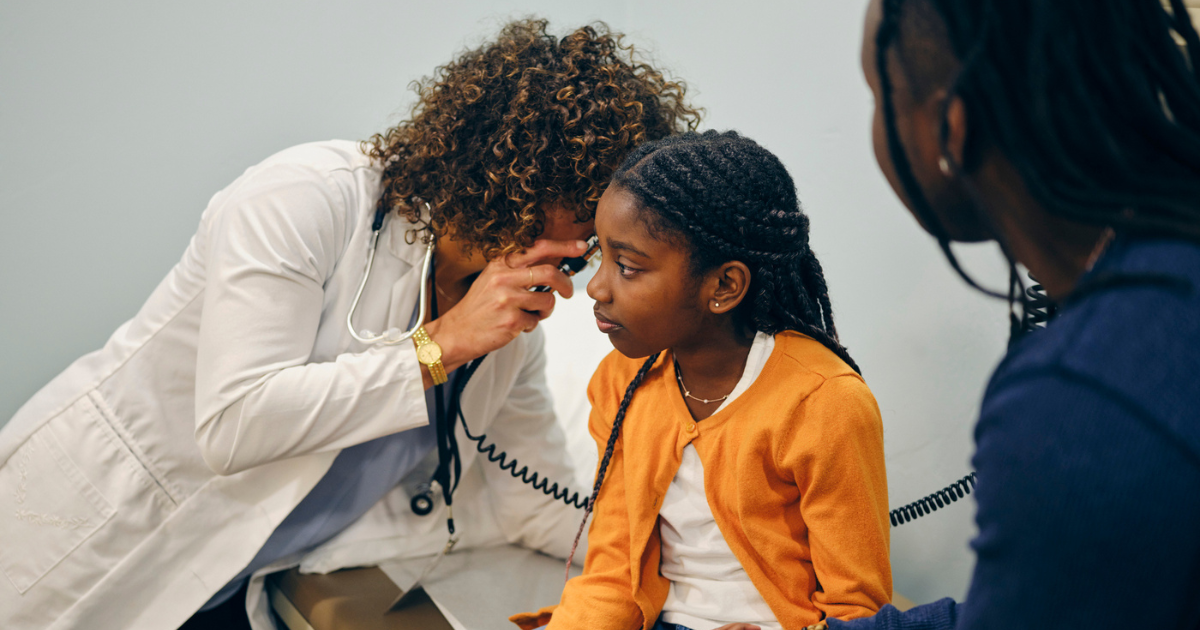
(794, 473)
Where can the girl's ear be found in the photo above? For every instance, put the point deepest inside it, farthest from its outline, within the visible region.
(730, 282)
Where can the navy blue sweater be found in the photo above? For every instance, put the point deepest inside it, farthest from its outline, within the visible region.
(1088, 453)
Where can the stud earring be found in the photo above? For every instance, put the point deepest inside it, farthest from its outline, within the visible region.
(944, 164)
(716, 305)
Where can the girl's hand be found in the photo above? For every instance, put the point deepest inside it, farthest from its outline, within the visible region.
(499, 306)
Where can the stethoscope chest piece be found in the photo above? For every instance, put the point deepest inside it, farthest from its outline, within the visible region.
(422, 501)
(422, 504)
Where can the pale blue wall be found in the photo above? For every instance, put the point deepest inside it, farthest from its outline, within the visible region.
(119, 120)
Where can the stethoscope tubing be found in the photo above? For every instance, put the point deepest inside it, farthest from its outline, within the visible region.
(387, 338)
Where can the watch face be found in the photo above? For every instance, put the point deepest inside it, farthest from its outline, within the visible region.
(429, 353)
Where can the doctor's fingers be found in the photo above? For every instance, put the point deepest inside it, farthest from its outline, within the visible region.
(546, 276)
(498, 276)
(540, 305)
(546, 251)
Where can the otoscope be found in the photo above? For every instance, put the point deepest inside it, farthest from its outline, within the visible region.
(572, 266)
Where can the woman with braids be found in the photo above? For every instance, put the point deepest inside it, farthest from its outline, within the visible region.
(1068, 131)
(741, 479)
(245, 419)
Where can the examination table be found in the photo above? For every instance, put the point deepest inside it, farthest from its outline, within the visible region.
(474, 590)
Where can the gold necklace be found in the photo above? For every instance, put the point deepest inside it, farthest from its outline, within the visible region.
(687, 394)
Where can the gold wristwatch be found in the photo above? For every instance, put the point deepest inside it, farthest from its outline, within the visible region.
(429, 353)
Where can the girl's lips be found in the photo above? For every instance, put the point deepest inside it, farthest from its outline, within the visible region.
(605, 325)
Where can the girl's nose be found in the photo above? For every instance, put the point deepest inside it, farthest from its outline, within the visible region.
(597, 287)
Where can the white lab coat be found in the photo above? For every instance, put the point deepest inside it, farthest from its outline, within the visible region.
(145, 476)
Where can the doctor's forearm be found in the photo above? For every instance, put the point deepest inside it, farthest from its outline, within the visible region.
(310, 408)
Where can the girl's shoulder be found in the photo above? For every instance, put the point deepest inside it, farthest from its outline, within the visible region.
(803, 375)
(798, 354)
(825, 400)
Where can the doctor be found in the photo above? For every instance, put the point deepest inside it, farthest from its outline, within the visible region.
(237, 426)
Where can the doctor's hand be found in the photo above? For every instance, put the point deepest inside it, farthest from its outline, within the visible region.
(500, 305)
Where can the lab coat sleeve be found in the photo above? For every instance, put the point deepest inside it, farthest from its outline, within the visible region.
(841, 477)
(526, 429)
(273, 240)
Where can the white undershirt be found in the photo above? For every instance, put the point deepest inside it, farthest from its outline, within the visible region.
(709, 588)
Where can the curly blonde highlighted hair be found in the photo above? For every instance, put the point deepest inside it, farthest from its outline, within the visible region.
(524, 123)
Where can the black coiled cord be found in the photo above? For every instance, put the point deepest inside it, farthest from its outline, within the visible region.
(931, 503)
(510, 464)
(1039, 308)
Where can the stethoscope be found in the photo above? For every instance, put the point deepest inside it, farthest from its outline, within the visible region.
(422, 503)
(391, 337)
(448, 457)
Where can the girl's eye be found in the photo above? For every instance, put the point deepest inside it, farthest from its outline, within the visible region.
(626, 272)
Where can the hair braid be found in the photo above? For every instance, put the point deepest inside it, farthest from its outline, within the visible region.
(728, 198)
(1100, 116)
(815, 274)
(608, 451)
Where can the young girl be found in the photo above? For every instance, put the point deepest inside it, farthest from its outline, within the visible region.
(741, 476)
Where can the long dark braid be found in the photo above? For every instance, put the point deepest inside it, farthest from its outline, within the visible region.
(1100, 117)
(608, 451)
(731, 199)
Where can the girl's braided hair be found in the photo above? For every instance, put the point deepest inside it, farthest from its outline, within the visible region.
(724, 197)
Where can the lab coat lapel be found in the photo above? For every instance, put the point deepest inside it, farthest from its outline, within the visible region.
(405, 292)
(407, 287)
(390, 293)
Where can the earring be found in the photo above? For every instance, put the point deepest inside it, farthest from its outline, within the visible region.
(944, 164)
(716, 305)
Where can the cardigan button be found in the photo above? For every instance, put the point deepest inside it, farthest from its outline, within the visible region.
(691, 427)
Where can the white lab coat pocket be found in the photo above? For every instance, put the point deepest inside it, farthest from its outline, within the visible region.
(74, 500)
(50, 508)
